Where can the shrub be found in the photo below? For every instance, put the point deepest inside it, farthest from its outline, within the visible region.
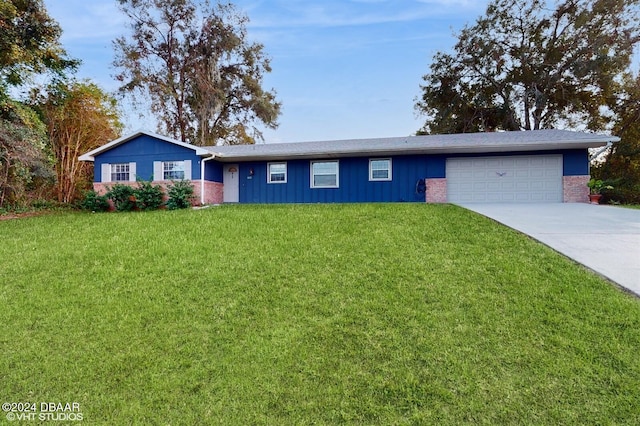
(123, 197)
(180, 195)
(148, 196)
(95, 202)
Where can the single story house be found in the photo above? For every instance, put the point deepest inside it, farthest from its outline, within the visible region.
(504, 167)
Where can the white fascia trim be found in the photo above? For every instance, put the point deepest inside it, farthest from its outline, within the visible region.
(90, 156)
(202, 175)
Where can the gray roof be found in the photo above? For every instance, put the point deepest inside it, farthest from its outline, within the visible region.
(535, 140)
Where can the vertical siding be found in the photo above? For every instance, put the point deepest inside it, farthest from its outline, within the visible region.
(213, 171)
(575, 162)
(144, 150)
(354, 184)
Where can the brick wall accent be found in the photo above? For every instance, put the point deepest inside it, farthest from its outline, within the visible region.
(436, 190)
(575, 189)
(213, 191)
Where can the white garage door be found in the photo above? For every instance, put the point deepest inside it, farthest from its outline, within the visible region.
(512, 179)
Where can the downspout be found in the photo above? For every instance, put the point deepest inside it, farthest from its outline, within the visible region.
(202, 176)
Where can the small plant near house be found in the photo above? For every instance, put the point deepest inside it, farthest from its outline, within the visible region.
(95, 202)
(596, 186)
(123, 197)
(180, 195)
(148, 196)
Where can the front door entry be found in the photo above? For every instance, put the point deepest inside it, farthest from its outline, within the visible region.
(231, 182)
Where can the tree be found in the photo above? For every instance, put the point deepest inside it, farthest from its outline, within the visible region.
(24, 161)
(79, 117)
(29, 42)
(622, 165)
(524, 67)
(203, 77)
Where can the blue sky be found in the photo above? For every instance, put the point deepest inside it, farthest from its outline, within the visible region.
(342, 69)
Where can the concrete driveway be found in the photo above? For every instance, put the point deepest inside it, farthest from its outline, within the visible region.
(605, 239)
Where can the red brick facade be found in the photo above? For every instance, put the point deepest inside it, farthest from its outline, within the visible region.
(213, 191)
(575, 189)
(436, 191)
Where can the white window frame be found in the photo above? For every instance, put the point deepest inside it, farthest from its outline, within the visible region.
(375, 179)
(159, 170)
(337, 174)
(270, 174)
(105, 172)
(118, 170)
(166, 170)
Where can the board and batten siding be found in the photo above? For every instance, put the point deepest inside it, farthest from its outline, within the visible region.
(145, 151)
(354, 185)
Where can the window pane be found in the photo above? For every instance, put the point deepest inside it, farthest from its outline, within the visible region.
(120, 172)
(380, 174)
(325, 168)
(380, 169)
(277, 168)
(277, 172)
(324, 174)
(379, 164)
(173, 170)
(277, 177)
(324, 180)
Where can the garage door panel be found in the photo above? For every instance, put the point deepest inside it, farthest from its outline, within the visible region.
(505, 179)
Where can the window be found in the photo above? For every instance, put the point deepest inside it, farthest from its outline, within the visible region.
(380, 169)
(173, 170)
(324, 174)
(120, 172)
(276, 172)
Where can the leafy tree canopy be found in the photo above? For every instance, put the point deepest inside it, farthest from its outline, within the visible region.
(202, 75)
(524, 66)
(29, 42)
(622, 166)
(79, 117)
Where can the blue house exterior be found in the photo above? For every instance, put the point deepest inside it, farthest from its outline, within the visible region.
(534, 166)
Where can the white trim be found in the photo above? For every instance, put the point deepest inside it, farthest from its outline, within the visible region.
(105, 173)
(158, 173)
(337, 185)
(390, 170)
(187, 169)
(202, 176)
(90, 156)
(269, 172)
(132, 172)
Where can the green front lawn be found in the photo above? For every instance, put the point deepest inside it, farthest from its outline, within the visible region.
(310, 314)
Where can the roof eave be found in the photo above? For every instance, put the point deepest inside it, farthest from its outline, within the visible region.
(498, 148)
(90, 156)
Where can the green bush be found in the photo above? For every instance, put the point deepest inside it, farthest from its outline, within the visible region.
(180, 195)
(123, 197)
(148, 196)
(95, 202)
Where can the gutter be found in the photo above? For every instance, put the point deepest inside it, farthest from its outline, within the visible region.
(600, 151)
(213, 155)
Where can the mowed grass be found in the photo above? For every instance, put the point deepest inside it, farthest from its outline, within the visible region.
(310, 314)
